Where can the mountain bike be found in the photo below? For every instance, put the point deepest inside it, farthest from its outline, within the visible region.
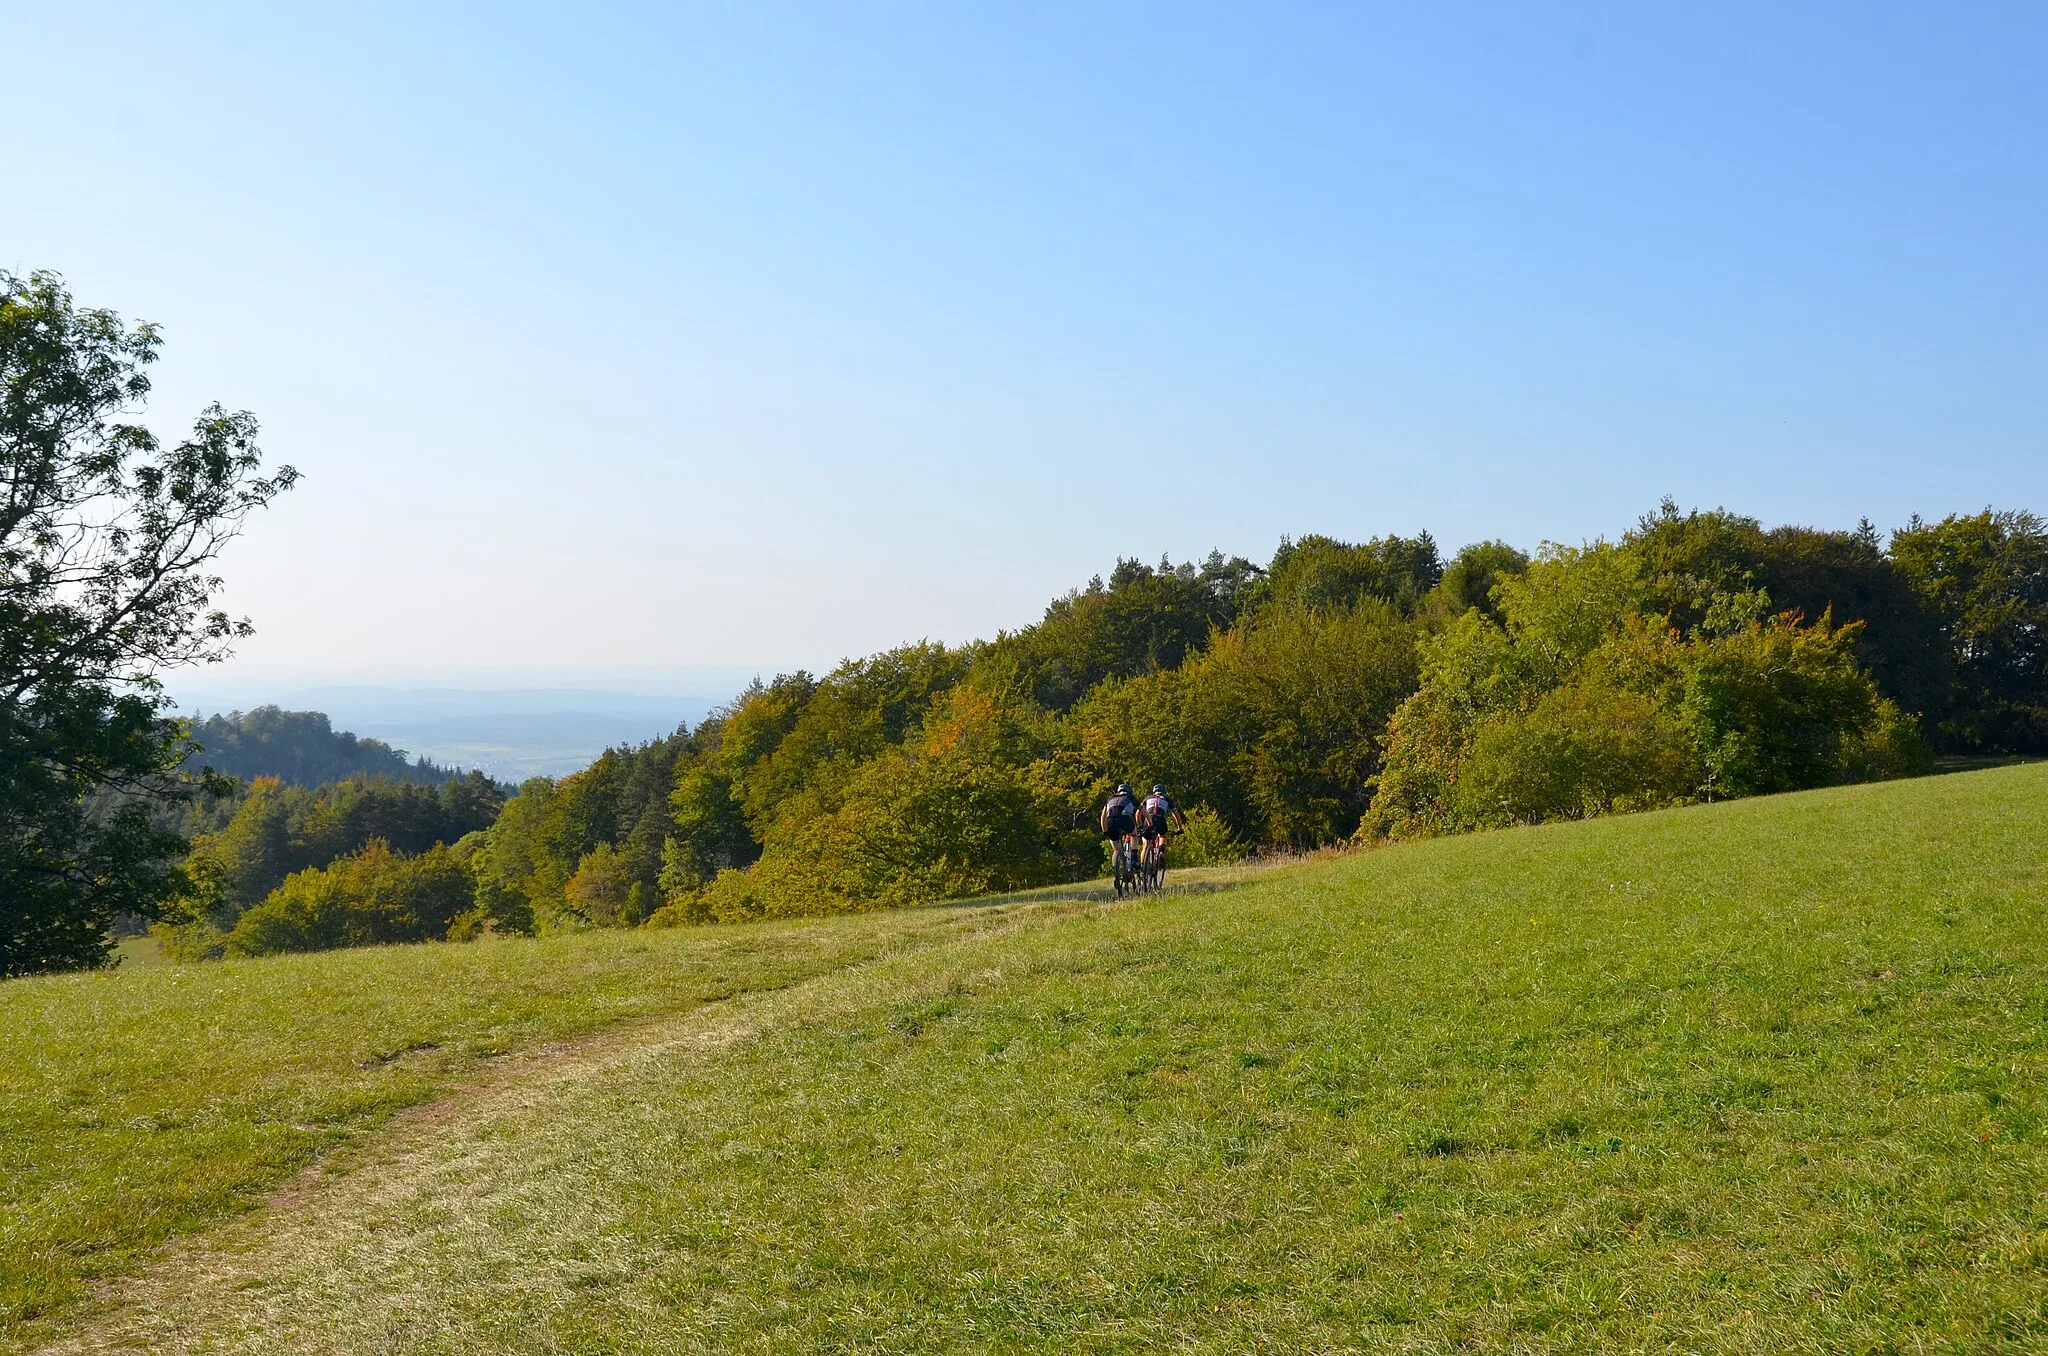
(1125, 866)
(1155, 863)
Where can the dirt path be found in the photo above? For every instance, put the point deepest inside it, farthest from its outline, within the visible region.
(376, 1203)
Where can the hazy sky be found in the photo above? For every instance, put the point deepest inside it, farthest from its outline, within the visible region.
(617, 336)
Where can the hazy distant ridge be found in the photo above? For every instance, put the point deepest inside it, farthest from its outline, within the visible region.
(508, 733)
(301, 748)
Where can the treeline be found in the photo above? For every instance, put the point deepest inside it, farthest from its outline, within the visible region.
(301, 748)
(394, 847)
(1341, 692)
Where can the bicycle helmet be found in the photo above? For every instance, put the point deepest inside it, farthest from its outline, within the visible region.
(1123, 788)
(1158, 790)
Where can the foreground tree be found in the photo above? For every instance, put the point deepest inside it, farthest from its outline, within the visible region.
(106, 539)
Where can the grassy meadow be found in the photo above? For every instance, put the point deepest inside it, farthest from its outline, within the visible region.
(1759, 1076)
(146, 1102)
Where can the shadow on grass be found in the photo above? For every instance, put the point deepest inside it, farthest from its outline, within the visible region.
(1977, 762)
(1197, 880)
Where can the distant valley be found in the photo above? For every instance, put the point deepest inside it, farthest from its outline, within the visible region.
(509, 734)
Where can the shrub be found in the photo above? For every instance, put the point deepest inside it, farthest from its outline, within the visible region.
(189, 943)
(677, 913)
(730, 898)
(375, 895)
(1521, 723)
(603, 892)
(1584, 749)
(469, 926)
(1205, 840)
(1471, 673)
(1779, 706)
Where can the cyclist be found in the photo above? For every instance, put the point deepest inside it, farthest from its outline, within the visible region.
(1119, 824)
(1154, 816)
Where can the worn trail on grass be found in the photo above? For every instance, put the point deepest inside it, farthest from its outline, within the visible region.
(200, 1289)
(1763, 1076)
(379, 1202)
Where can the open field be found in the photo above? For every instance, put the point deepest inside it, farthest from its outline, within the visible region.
(1760, 1076)
(143, 1103)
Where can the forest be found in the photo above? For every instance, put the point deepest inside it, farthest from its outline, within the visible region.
(377, 847)
(301, 748)
(1340, 694)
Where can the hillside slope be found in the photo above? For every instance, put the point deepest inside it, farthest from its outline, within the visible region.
(141, 1105)
(301, 748)
(1756, 1076)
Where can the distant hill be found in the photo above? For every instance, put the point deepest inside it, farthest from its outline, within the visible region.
(508, 733)
(300, 748)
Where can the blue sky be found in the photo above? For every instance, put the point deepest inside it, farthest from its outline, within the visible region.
(622, 337)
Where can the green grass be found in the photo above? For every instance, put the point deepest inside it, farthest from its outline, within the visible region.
(139, 953)
(1762, 1076)
(146, 1102)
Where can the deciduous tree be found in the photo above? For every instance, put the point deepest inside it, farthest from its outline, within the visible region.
(107, 538)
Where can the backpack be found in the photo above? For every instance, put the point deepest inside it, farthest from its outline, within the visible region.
(1121, 814)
